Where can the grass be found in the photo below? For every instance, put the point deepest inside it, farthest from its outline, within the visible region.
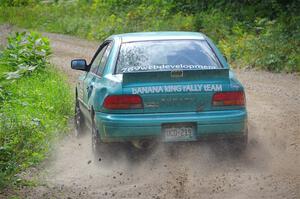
(253, 35)
(35, 109)
(36, 102)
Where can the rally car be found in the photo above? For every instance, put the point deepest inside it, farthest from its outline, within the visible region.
(162, 86)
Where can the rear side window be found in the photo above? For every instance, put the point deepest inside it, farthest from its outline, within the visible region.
(104, 59)
(97, 60)
(166, 55)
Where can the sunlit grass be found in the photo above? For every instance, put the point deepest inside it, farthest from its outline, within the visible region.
(247, 39)
(35, 107)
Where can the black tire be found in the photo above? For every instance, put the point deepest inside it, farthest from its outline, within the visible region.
(96, 143)
(78, 120)
(239, 145)
(172, 149)
(104, 153)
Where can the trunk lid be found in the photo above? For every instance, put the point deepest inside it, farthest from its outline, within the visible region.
(176, 91)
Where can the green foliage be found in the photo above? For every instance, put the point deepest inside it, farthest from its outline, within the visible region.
(17, 2)
(250, 33)
(34, 109)
(35, 101)
(270, 46)
(25, 53)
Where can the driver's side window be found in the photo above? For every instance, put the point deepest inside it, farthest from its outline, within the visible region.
(97, 60)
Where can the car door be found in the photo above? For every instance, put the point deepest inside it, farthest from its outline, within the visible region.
(94, 75)
(90, 78)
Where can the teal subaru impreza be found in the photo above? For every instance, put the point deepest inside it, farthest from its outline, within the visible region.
(162, 87)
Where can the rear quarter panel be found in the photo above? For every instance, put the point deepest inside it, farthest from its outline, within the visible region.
(107, 84)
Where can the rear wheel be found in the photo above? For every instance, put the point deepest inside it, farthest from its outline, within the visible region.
(239, 145)
(78, 120)
(96, 144)
(103, 152)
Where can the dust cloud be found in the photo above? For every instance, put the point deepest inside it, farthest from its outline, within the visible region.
(269, 168)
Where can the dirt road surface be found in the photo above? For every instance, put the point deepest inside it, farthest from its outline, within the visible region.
(270, 168)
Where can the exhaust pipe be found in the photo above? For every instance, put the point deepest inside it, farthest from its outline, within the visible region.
(143, 144)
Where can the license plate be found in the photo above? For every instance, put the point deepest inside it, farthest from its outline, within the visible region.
(179, 132)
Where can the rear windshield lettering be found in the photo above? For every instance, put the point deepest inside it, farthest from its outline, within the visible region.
(166, 55)
(166, 67)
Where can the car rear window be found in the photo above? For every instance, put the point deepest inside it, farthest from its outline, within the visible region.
(166, 55)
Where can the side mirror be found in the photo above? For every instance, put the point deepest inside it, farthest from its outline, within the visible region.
(79, 64)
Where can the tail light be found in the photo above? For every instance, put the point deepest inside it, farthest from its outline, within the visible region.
(236, 98)
(114, 102)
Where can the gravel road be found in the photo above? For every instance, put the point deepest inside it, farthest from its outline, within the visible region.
(270, 168)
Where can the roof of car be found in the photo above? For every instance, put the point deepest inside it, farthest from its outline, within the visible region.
(144, 36)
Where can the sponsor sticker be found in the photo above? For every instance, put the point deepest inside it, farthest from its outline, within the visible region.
(166, 67)
(177, 88)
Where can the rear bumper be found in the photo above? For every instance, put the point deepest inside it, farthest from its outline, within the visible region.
(126, 127)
